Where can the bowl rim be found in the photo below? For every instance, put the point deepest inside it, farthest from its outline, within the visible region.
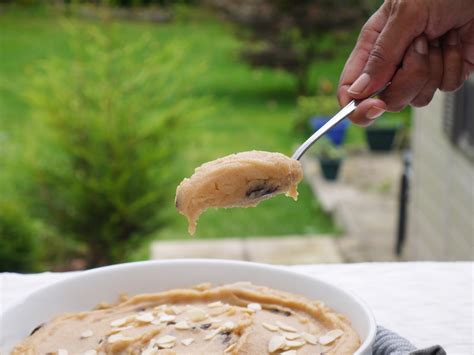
(364, 346)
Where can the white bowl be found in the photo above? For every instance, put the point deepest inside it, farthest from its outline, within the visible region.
(87, 289)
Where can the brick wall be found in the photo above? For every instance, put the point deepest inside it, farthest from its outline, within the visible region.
(441, 211)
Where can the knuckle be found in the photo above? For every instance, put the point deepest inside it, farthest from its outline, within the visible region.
(378, 57)
(395, 106)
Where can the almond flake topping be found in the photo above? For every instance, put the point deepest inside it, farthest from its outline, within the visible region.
(254, 307)
(167, 318)
(119, 329)
(295, 343)
(145, 317)
(182, 325)
(156, 322)
(217, 311)
(215, 304)
(62, 352)
(330, 336)
(270, 327)
(286, 327)
(115, 338)
(276, 342)
(177, 309)
(90, 352)
(197, 315)
(230, 348)
(212, 334)
(86, 334)
(228, 325)
(187, 341)
(289, 352)
(310, 338)
(165, 340)
(149, 351)
(119, 322)
(291, 336)
(166, 345)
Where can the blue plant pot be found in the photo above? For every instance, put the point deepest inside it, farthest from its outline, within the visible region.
(337, 134)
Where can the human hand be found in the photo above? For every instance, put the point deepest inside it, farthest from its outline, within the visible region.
(418, 45)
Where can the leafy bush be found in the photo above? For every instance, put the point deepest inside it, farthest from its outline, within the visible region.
(104, 142)
(308, 106)
(325, 150)
(18, 240)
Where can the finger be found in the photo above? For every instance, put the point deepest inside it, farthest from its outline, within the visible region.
(360, 54)
(466, 35)
(436, 75)
(406, 21)
(367, 111)
(410, 78)
(453, 75)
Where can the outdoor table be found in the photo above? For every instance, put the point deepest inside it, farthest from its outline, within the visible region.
(426, 302)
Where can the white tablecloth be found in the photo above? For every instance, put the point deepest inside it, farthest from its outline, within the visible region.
(427, 303)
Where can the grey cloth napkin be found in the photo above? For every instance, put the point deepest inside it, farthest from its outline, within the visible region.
(390, 343)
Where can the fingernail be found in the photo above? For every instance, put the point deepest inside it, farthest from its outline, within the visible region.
(374, 112)
(360, 84)
(452, 38)
(421, 46)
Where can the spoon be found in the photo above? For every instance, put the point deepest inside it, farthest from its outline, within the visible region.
(338, 117)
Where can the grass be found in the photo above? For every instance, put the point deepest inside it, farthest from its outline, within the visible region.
(253, 110)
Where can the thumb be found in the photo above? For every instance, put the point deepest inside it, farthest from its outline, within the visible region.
(406, 21)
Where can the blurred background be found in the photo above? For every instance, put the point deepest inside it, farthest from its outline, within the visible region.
(105, 106)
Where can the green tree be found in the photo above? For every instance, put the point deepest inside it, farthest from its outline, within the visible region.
(292, 34)
(104, 142)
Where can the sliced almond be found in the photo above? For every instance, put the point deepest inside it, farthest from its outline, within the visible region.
(167, 318)
(167, 345)
(276, 342)
(119, 322)
(295, 343)
(230, 348)
(90, 352)
(212, 334)
(291, 336)
(86, 334)
(217, 311)
(215, 304)
(197, 315)
(286, 327)
(187, 341)
(62, 352)
(228, 325)
(115, 338)
(119, 329)
(156, 322)
(330, 336)
(254, 307)
(310, 338)
(289, 352)
(166, 339)
(270, 327)
(177, 310)
(145, 317)
(182, 325)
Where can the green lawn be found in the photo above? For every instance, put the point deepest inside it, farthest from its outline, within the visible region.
(253, 110)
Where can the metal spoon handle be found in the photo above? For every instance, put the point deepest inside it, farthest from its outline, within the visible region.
(338, 117)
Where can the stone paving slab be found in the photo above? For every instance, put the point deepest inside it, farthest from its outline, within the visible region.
(288, 250)
(363, 202)
(293, 250)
